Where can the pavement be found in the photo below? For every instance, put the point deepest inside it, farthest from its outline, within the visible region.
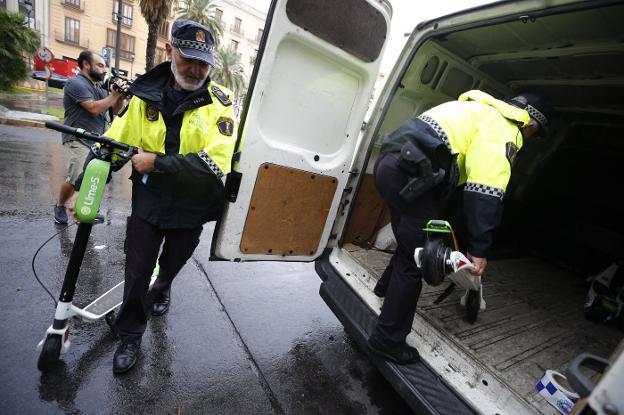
(24, 118)
(26, 108)
(240, 338)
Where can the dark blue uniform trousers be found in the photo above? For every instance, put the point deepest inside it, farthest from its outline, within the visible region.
(142, 245)
(402, 278)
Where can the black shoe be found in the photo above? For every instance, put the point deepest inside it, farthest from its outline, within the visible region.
(161, 302)
(125, 357)
(99, 218)
(380, 289)
(402, 355)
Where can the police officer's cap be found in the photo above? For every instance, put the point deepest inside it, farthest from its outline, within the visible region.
(193, 40)
(537, 107)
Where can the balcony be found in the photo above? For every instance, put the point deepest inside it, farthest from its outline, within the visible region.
(76, 5)
(125, 20)
(123, 55)
(237, 30)
(59, 36)
(253, 40)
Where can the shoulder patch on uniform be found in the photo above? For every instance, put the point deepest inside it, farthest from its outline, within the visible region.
(511, 151)
(226, 126)
(221, 96)
(151, 112)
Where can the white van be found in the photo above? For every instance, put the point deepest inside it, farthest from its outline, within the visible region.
(302, 189)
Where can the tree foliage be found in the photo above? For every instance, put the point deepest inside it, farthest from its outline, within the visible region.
(202, 12)
(155, 13)
(228, 71)
(17, 40)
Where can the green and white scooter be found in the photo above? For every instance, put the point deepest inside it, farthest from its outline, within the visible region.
(440, 258)
(56, 339)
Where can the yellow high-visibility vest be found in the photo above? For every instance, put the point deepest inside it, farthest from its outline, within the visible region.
(209, 128)
(480, 130)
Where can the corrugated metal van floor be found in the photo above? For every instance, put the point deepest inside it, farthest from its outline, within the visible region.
(534, 320)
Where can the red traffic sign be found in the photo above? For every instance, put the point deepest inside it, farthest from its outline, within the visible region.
(45, 54)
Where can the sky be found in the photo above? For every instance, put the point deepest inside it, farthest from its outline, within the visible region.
(406, 14)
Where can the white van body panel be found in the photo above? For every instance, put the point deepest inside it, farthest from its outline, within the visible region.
(306, 111)
(458, 367)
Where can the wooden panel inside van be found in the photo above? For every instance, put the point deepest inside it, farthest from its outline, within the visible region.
(368, 215)
(288, 211)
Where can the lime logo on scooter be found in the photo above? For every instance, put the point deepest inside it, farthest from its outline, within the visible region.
(91, 190)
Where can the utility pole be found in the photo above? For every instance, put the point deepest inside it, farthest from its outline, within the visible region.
(118, 38)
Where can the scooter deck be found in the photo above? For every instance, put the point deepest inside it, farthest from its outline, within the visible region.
(110, 300)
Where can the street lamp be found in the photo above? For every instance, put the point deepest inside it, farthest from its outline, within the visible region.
(117, 36)
(29, 7)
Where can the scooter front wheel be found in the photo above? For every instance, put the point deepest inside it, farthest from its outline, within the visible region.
(50, 352)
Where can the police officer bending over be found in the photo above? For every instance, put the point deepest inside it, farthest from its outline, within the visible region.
(184, 125)
(470, 142)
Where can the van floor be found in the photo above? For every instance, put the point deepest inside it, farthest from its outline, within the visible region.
(533, 320)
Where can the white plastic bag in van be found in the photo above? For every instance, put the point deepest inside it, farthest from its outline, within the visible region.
(385, 239)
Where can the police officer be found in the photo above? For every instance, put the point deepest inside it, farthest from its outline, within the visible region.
(183, 124)
(471, 143)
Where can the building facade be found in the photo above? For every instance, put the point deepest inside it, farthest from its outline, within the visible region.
(75, 25)
(69, 26)
(243, 27)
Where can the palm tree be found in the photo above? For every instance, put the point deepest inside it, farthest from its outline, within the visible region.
(202, 12)
(16, 41)
(228, 71)
(154, 12)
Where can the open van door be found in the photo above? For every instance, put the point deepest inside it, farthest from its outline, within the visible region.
(310, 91)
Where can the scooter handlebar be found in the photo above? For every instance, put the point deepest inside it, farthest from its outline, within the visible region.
(79, 132)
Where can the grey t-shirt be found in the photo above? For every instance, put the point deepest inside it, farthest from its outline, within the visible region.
(79, 89)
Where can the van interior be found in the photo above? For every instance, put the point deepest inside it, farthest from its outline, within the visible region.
(563, 220)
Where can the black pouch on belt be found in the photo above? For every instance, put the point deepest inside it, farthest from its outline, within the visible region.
(418, 167)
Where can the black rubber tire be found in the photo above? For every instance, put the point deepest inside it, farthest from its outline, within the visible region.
(473, 303)
(50, 352)
(110, 318)
(432, 261)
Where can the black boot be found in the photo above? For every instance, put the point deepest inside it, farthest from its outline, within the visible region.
(380, 289)
(125, 357)
(161, 302)
(402, 355)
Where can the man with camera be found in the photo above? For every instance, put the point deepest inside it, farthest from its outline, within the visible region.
(86, 105)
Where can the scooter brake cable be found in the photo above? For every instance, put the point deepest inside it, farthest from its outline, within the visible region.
(35, 257)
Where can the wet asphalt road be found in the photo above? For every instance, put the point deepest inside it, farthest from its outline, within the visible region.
(250, 338)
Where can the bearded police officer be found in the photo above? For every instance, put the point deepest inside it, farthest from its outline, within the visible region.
(470, 143)
(183, 124)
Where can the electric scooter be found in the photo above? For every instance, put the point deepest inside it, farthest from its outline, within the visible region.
(440, 258)
(56, 339)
